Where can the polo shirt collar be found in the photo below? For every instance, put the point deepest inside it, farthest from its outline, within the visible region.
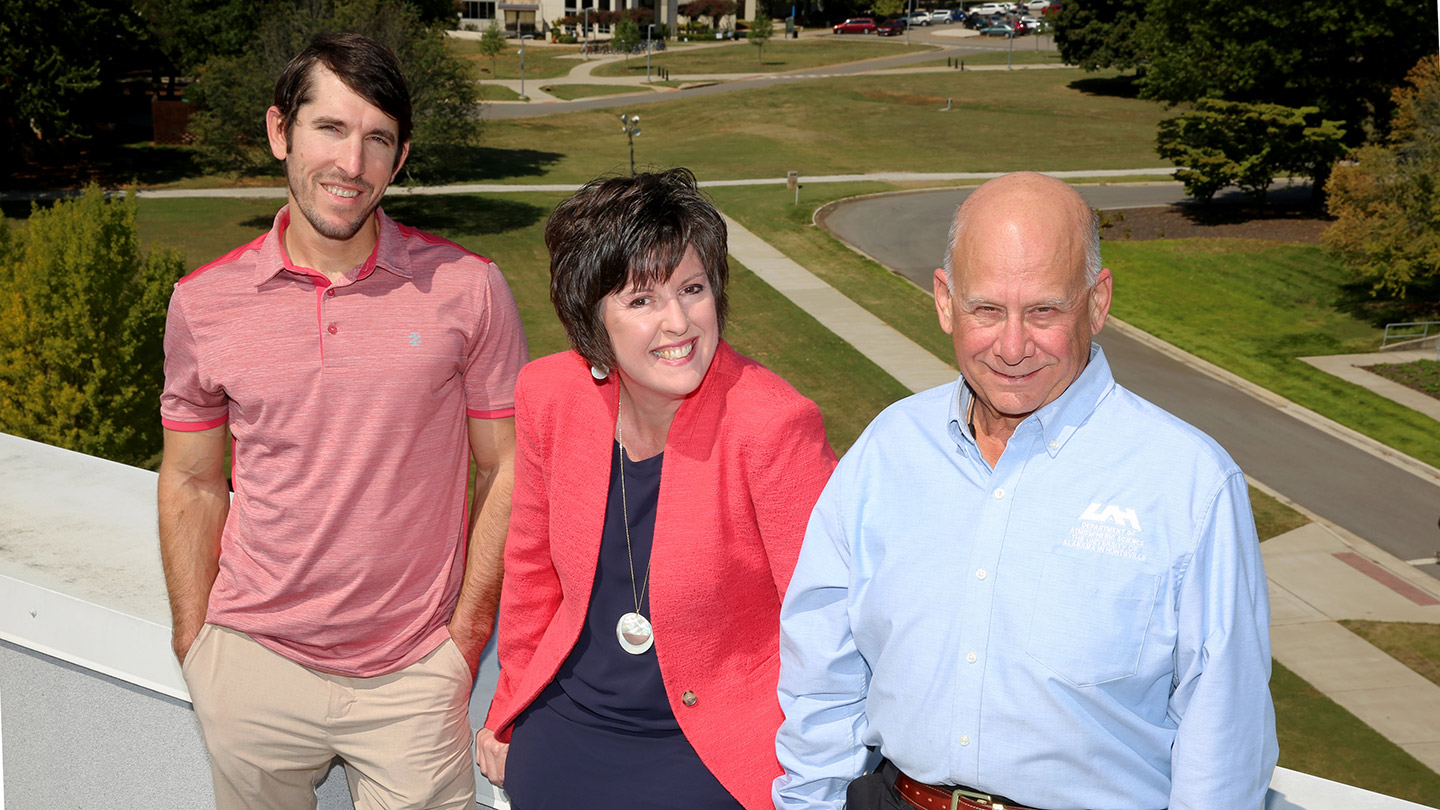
(390, 252)
(1059, 420)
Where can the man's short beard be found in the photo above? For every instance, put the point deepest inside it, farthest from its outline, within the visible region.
(305, 200)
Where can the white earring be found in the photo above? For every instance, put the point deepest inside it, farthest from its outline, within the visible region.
(599, 373)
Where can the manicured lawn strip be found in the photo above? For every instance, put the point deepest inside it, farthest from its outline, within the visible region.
(1024, 55)
(771, 214)
(1319, 737)
(1422, 375)
(1414, 644)
(541, 61)
(849, 388)
(780, 55)
(841, 126)
(497, 92)
(1273, 518)
(573, 91)
(1253, 307)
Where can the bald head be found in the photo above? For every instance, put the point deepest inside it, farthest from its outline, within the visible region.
(1025, 206)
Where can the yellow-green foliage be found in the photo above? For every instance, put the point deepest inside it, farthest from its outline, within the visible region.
(83, 314)
(1386, 202)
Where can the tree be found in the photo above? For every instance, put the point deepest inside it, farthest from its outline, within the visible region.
(1341, 57)
(716, 10)
(1224, 143)
(1386, 201)
(492, 44)
(81, 353)
(761, 29)
(625, 36)
(1096, 34)
(233, 92)
(190, 32)
(59, 66)
(887, 8)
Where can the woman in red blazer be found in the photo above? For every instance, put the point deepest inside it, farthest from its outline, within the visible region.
(663, 484)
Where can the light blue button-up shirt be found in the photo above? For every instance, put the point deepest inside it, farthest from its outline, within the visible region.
(1083, 627)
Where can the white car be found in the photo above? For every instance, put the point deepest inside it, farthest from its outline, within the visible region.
(1037, 6)
(941, 15)
(987, 9)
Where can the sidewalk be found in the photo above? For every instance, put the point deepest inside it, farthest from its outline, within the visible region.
(1319, 573)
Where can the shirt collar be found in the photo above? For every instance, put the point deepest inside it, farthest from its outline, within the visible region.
(390, 251)
(1059, 420)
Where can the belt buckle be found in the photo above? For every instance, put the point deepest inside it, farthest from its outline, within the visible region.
(982, 799)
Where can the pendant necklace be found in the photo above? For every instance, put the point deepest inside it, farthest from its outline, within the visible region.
(633, 630)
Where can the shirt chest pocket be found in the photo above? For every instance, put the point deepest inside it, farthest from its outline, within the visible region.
(1091, 618)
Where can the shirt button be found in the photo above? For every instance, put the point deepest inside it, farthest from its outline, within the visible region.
(333, 329)
(999, 493)
(971, 658)
(964, 739)
(1054, 445)
(688, 698)
(330, 292)
(981, 574)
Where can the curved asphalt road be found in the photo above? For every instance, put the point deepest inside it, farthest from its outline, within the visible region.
(1370, 497)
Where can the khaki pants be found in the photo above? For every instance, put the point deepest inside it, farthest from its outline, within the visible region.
(273, 727)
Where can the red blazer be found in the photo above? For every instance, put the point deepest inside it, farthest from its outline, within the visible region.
(745, 461)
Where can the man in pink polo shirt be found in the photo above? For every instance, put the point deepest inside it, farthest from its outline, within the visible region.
(337, 603)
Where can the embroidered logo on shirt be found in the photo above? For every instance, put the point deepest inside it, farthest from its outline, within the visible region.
(414, 338)
(1108, 529)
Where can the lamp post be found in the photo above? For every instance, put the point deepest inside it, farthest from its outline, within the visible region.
(523, 37)
(909, 20)
(586, 32)
(649, 32)
(630, 125)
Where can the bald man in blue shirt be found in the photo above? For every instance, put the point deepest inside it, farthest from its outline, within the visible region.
(1028, 588)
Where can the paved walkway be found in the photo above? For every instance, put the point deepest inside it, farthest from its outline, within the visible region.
(1351, 368)
(1319, 574)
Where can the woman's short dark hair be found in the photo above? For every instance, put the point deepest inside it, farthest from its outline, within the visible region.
(364, 65)
(621, 232)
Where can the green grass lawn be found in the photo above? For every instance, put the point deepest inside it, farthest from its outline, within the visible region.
(1319, 737)
(1273, 518)
(496, 92)
(834, 126)
(1024, 54)
(780, 55)
(541, 62)
(1413, 644)
(1422, 375)
(1253, 308)
(573, 91)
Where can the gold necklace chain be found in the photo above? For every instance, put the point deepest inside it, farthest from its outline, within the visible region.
(625, 512)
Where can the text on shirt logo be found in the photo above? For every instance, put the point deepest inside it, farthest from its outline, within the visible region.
(414, 338)
(1108, 529)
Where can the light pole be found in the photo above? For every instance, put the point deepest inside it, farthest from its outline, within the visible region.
(586, 32)
(630, 125)
(909, 20)
(523, 37)
(649, 32)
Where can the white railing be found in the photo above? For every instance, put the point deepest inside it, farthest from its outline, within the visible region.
(94, 708)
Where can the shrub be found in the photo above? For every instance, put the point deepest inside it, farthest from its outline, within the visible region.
(81, 357)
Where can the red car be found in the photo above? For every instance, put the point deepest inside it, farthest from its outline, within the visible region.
(856, 25)
(891, 28)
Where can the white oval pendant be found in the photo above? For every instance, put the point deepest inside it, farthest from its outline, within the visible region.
(634, 633)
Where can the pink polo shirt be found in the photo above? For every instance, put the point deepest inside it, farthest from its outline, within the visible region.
(345, 543)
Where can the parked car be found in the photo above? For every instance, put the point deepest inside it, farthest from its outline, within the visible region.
(856, 25)
(1031, 24)
(998, 30)
(919, 18)
(940, 15)
(958, 16)
(892, 27)
(1036, 6)
(986, 10)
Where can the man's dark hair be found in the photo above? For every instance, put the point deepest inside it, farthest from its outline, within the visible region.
(624, 232)
(364, 65)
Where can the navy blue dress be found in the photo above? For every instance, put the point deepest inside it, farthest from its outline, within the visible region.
(602, 736)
